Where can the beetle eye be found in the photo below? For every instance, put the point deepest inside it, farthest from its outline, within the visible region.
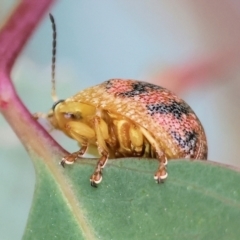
(68, 115)
(56, 103)
(76, 115)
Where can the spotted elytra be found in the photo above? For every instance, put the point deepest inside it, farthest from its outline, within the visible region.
(128, 118)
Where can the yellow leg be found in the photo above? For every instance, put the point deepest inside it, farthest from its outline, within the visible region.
(101, 132)
(136, 139)
(81, 132)
(161, 172)
(130, 138)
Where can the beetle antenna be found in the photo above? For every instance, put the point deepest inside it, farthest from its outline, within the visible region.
(54, 51)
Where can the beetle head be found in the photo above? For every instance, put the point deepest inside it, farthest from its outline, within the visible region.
(64, 111)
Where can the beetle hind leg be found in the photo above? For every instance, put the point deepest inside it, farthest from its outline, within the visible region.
(161, 172)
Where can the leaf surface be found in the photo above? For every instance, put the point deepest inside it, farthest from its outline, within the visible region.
(199, 200)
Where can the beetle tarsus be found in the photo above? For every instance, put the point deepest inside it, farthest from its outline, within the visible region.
(71, 158)
(96, 178)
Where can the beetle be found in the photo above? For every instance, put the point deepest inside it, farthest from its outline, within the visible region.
(128, 118)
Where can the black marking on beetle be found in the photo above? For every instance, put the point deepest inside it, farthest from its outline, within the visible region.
(188, 142)
(137, 88)
(108, 84)
(140, 88)
(172, 107)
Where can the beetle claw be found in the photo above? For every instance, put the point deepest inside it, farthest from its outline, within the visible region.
(62, 163)
(96, 178)
(161, 174)
(93, 184)
(160, 180)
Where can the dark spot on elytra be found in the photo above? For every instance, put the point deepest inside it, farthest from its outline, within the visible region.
(177, 109)
(108, 84)
(140, 88)
(136, 88)
(188, 142)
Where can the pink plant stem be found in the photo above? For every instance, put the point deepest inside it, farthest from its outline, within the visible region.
(13, 37)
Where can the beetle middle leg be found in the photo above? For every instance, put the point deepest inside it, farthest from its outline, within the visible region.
(101, 131)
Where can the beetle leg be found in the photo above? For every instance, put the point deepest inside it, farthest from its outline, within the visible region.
(38, 115)
(71, 158)
(81, 132)
(99, 124)
(122, 130)
(161, 172)
(96, 177)
(130, 139)
(136, 138)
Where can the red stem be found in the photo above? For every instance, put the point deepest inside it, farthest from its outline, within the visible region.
(13, 37)
(19, 28)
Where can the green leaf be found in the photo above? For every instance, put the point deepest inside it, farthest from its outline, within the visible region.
(199, 200)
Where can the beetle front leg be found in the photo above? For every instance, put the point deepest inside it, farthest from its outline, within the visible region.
(81, 132)
(71, 158)
(101, 132)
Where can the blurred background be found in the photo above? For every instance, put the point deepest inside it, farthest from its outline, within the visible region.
(190, 47)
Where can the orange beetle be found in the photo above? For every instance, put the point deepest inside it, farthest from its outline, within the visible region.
(126, 118)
